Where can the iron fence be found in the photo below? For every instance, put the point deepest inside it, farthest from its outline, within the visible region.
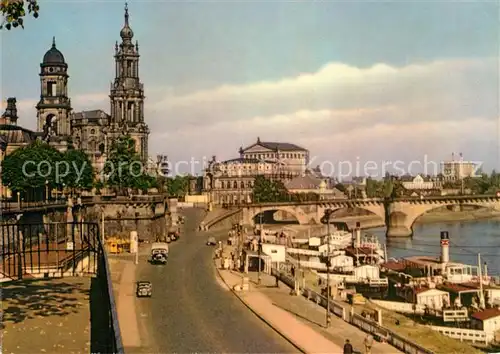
(49, 250)
(64, 249)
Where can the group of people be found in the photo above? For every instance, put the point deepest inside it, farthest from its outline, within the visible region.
(368, 342)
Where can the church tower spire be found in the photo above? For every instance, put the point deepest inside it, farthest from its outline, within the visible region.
(127, 92)
(54, 107)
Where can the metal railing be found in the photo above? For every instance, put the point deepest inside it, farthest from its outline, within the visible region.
(58, 250)
(49, 250)
(114, 342)
(6, 206)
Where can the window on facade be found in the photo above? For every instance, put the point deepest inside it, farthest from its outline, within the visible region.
(130, 110)
(129, 68)
(92, 146)
(235, 184)
(51, 88)
(242, 184)
(92, 131)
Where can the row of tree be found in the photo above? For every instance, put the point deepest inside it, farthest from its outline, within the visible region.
(267, 191)
(37, 168)
(392, 187)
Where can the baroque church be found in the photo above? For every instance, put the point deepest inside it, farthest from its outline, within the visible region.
(92, 131)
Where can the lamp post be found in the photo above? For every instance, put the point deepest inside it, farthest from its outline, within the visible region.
(259, 245)
(46, 190)
(328, 213)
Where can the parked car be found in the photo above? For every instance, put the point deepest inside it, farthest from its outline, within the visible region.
(144, 289)
(211, 241)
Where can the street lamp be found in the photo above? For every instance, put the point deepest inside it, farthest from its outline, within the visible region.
(259, 245)
(328, 319)
(46, 190)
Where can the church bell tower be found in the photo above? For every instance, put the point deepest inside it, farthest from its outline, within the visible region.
(127, 93)
(54, 107)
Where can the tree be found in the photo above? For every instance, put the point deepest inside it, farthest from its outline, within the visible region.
(31, 168)
(178, 186)
(266, 190)
(14, 11)
(123, 166)
(144, 182)
(374, 189)
(340, 187)
(80, 174)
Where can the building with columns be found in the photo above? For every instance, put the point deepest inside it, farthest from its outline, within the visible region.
(231, 181)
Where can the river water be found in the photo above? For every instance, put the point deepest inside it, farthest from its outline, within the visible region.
(467, 239)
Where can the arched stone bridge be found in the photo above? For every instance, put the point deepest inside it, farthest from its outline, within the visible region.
(399, 214)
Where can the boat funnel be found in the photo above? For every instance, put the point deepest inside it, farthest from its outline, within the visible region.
(357, 243)
(445, 247)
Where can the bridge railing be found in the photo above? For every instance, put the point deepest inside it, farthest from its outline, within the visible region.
(376, 200)
(48, 250)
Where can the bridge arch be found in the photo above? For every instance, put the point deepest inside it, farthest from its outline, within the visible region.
(402, 218)
(301, 217)
(373, 210)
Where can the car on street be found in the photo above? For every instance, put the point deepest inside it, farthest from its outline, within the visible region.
(144, 289)
(159, 253)
(211, 241)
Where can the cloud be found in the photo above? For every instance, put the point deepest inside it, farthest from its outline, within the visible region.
(342, 112)
(339, 112)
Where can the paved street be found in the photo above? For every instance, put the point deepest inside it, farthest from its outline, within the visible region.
(191, 312)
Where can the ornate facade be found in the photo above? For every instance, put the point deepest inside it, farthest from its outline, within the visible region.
(127, 93)
(87, 130)
(54, 107)
(231, 182)
(92, 131)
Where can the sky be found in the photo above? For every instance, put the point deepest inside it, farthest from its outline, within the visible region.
(353, 82)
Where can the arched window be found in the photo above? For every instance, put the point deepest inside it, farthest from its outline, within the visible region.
(235, 184)
(92, 146)
(242, 184)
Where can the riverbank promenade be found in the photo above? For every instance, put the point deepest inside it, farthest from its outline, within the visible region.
(47, 316)
(296, 318)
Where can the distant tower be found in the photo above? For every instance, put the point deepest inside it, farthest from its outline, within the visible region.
(10, 115)
(54, 107)
(127, 93)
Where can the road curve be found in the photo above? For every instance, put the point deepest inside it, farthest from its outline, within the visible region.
(191, 312)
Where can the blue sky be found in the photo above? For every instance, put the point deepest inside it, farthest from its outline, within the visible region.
(348, 80)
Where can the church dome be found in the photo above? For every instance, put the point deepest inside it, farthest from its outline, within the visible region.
(53, 55)
(126, 33)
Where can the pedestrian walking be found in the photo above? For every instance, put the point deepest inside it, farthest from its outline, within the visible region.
(348, 349)
(368, 344)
